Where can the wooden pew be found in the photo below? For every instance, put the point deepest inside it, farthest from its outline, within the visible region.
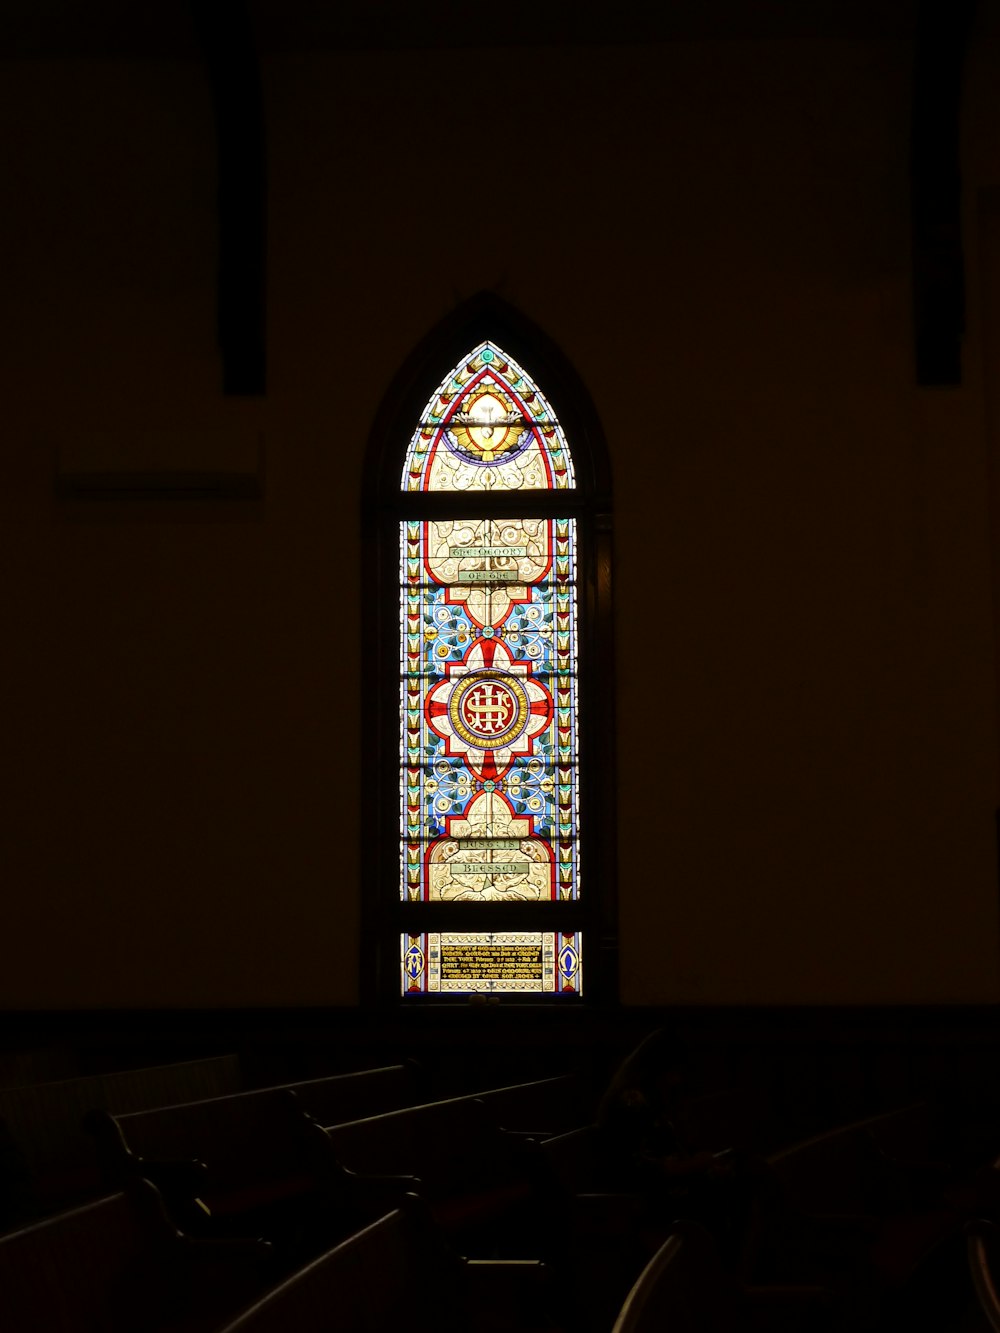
(736, 1118)
(179, 1130)
(47, 1159)
(398, 1274)
(685, 1289)
(477, 1178)
(599, 1243)
(118, 1266)
(247, 1162)
(538, 1109)
(542, 1108)
(983, 1256)
(869, 1167)
(842, 1205)
(340, 1097)
(242, 1165)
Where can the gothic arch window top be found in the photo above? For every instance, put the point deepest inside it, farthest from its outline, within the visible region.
(487, 427)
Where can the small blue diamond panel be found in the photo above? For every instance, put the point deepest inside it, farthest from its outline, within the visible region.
(496, 962)
(488, 708)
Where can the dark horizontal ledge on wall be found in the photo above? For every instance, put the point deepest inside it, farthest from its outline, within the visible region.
(157, 28)
(909, 1024)
(158, 486)
(160, 465)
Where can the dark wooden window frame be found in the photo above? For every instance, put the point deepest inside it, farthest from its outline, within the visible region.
(384, 916)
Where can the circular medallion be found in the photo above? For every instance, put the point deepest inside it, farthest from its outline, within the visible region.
(489, 709)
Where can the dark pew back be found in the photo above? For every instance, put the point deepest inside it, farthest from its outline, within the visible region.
(443, 1143)
(543, 1107)
(65, 1274)
(245, 1157)
(573, 1161)
(228, 1132)
(395, 1273)
(117, 1266)
(684, 1288)
(736, 1118)
(352, 1096)
(478, 1180)
(842, 1201)
(223, 1133)
(49, 1151)
(845, 1170)
(983, 1252)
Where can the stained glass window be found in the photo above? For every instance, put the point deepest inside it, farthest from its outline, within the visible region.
(488, 818)
(489, 755)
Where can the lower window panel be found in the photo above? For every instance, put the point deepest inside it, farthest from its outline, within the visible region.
(510, 962)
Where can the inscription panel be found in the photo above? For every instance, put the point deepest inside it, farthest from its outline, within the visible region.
(499, 962)
(467, 962)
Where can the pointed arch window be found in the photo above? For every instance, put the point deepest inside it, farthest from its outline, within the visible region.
(499, 881)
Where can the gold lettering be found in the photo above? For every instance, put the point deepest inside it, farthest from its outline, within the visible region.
(496, 962)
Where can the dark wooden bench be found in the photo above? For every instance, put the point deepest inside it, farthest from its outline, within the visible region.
(117, 1265)
(843, 1205)
(477, 1178)
(248, 1163)
(983, 1256)
(735, 1118)
(538, 1109)
(47, 1159)
(599, 1244)
(542, 1108)
(340, 1097)
(240, 1165)
(685, 1289)
(398, 1274)
(868, 1167)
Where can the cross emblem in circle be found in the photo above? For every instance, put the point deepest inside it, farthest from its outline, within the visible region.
(488, 708)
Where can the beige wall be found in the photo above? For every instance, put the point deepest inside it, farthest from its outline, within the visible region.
(717, 236)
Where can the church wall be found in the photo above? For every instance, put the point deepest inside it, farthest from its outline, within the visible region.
(717, 236)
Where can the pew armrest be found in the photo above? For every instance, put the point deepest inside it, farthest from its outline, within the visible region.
(384, 1189)
(226, 1249)
(505, 1290)
(119, 1164)
(173, 1177)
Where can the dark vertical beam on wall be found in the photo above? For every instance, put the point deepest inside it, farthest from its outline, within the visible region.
(227, 42)
(938, 269)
